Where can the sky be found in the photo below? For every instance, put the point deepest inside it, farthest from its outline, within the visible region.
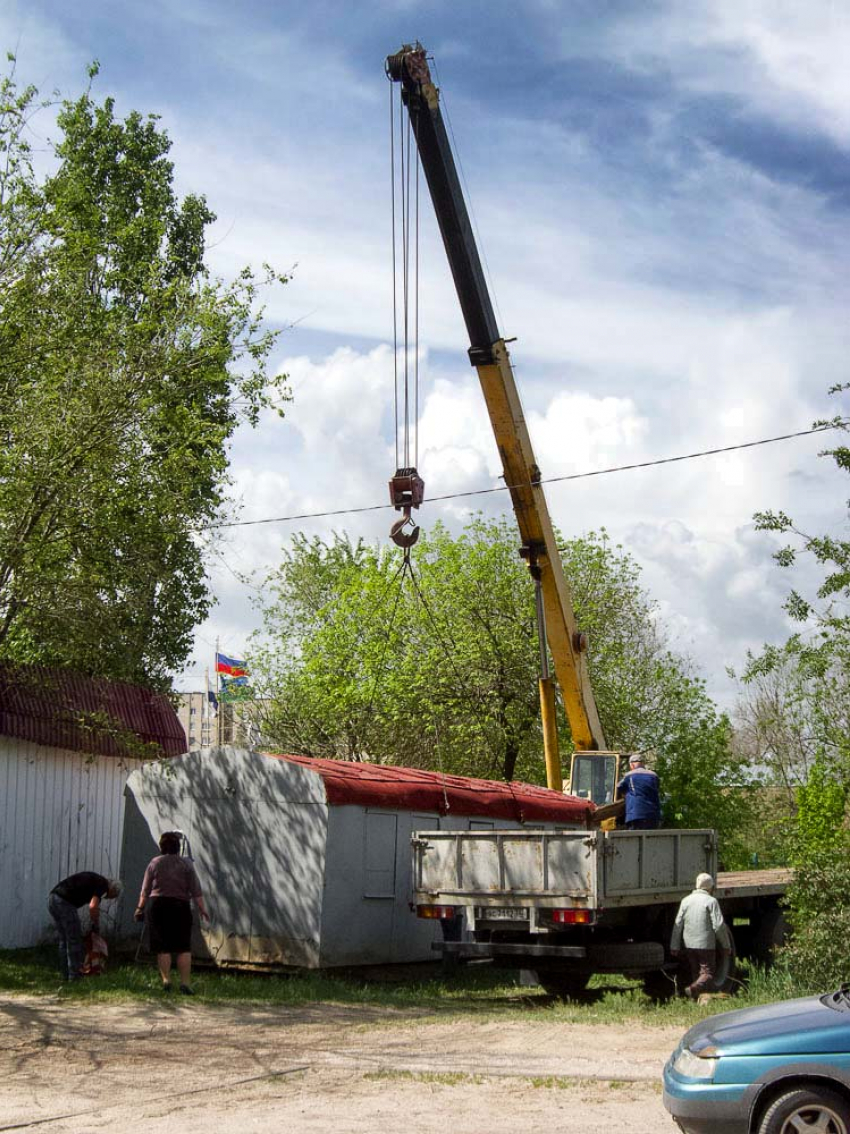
(661, 192)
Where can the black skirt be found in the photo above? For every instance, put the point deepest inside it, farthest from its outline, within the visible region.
(170, 925)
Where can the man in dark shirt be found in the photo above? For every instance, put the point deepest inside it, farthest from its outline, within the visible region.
(639, 787)
(65, 899)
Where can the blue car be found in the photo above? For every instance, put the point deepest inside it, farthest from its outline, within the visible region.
(777, 1069)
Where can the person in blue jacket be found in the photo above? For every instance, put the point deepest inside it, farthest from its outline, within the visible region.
(639, 788)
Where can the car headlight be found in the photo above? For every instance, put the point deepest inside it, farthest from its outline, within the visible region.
(694, 1066)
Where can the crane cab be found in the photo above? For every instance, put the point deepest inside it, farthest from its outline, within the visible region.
(594, 776)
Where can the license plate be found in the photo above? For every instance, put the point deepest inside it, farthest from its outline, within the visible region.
(501, 913)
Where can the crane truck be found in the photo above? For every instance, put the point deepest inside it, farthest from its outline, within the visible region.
(566, 903)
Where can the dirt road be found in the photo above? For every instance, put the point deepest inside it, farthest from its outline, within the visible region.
(184, 1068)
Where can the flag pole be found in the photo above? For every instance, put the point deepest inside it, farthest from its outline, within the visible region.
(208, 729)
(219, 711)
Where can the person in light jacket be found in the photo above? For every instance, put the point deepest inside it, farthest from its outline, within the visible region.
(701, 929)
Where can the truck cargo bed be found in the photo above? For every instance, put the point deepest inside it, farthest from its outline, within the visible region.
(559, 868)
(752, 883)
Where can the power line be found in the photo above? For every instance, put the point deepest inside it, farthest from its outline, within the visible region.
(544, 480)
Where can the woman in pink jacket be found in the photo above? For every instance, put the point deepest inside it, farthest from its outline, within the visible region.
(171, 884)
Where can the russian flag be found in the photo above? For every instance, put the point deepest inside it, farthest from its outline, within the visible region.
(231, 666)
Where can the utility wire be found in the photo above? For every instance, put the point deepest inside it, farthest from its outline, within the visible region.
(543, 480)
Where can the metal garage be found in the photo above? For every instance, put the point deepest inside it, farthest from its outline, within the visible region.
(307, 862)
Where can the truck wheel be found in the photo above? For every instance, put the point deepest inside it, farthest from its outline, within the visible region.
(563, 984)
(726, 973)
(770, 935)
(624, 957)
(815, 1109)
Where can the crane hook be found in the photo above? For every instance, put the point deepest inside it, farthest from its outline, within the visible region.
(399, 536)
(407, 491)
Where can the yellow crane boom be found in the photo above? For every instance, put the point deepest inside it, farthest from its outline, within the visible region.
(489, 354)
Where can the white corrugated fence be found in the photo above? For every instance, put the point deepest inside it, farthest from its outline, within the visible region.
(60, 812)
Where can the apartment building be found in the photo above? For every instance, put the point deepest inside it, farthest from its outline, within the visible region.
(208, 726)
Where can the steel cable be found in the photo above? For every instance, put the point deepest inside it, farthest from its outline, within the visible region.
(416, 322)
(395, 279)
(473, 694)
(399, 575)
(404, 168)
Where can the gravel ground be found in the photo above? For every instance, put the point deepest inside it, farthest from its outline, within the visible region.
(187, 1067)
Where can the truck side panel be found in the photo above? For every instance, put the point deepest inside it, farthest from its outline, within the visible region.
(638, 863)
(617, 868)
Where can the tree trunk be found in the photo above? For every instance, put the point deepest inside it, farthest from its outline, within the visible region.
(511, 754)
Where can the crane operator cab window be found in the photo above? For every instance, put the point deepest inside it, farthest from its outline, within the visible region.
(593, 776)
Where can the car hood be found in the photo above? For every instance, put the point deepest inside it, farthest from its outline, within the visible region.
(790, 1027)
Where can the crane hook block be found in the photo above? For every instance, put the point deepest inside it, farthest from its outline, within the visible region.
(407, 490)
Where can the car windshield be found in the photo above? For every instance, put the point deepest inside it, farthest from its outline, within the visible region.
(839, 1000)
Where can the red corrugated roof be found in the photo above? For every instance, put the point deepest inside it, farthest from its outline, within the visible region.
(411, 789)
(85, 714)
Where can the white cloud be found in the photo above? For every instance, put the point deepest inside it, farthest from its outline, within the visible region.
(579, 432)
(454, 421)
(787, 60)
(794, 59)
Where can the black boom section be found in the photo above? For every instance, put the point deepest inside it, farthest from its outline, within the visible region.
(410, 69)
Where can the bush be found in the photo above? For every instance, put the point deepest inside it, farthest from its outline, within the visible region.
(818, 955)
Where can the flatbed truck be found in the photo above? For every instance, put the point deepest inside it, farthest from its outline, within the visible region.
(568, 904)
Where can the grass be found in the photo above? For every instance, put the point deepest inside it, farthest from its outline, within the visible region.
(540, 1082)
(476, 990)
(443, 1078)
(564, 1083)
(465, 1079)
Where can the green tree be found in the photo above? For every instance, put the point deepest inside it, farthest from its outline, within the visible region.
(828, 612)
(124, 370)
(813, 666)
(795, 706)
(773, 721)
(441, 671)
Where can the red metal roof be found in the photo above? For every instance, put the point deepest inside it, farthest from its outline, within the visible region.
(411, 789)
(61, 709)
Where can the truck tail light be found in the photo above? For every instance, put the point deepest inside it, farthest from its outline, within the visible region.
(572, 917)
(435, 911)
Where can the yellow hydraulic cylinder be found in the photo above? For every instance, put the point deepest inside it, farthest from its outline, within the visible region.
(550, 734)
